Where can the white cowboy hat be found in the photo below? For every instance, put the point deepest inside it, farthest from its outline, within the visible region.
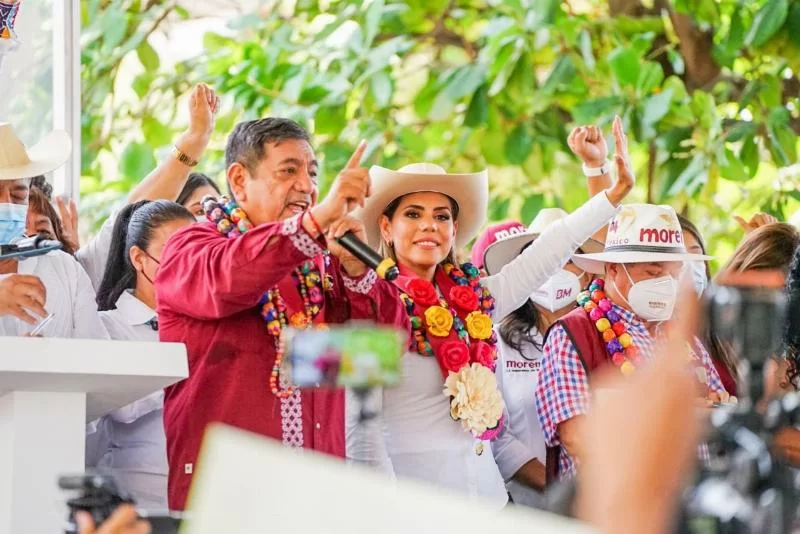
(46, 156)
(470, 191)
(640, 233)
(503, 251)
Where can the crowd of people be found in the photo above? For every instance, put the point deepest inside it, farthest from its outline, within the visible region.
(505, 352)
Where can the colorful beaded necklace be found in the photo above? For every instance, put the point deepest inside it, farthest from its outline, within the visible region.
(233, 222)
(468, 277)
(619, 343)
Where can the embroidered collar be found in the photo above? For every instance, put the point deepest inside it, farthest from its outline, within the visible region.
(134, 311)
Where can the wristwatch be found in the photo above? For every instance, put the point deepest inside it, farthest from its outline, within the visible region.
(593, 172)
(183, 158)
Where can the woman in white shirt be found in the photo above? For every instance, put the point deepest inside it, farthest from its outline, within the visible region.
(418, 216)
(520, 450)
(130, 441)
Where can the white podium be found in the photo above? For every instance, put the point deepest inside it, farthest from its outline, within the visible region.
(49, 390)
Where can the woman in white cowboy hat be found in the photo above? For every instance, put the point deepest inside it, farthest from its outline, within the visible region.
(520, 450)
(419, 216)
(50, 284)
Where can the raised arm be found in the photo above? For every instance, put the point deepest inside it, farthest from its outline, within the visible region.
(167, 180)
(551, 250)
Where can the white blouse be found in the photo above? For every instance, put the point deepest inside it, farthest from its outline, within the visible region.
(93, 256)
(70, 298)
(130, 442)
(415, 437)
(521, 439)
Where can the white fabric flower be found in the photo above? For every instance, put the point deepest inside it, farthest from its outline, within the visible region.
(476, 401)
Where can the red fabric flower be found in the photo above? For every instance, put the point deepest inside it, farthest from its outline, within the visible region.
(464, 298)
(453, 355)
(422, 292)
(484, 354)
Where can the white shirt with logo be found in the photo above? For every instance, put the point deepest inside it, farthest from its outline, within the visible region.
(522, 438)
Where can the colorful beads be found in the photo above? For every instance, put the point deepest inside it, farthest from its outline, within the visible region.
(619, 343)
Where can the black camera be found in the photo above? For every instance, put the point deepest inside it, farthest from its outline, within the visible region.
(99, 495)
(744, 487)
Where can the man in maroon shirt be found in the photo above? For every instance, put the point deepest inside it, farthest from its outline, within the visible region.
(228, 298)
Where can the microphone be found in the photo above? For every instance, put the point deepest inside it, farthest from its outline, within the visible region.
(385, 267)
(27, 247)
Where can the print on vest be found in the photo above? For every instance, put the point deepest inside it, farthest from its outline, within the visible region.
(563, 293)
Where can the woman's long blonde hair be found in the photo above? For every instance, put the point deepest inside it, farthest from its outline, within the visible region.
(770, 247)
(386, 250)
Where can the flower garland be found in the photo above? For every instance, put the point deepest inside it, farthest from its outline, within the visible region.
(232, 221)
(619, 343)
(458, 331)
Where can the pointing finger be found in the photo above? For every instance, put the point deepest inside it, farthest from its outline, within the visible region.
(355, 159)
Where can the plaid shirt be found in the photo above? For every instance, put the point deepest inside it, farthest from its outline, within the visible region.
(563, 390)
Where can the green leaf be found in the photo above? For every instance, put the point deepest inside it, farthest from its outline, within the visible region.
(519, 145)
(493, 147)
(782, 145)
(182, 12)
(505, 64)
(373, 21)
(381, 87)
(533, 204)
(769, 91)
(586, 50)
(115, 25)
(313, 95)
(148, 56)
(767, 22)
(330, 120)
(704, 108)
(676, 60)
(731, 168)
(735, 38)
(562, 75)
(793, 23)
(465, 81)
(155, 133)
(141, 84)
(625, 65)
(498, 209)
(594, 111)
(293, 87)
(749, 156)
(778, 116)
(136, 161)
(478, 110)
(741, 131)
(650, 77)
(688, 180)
(656, 107)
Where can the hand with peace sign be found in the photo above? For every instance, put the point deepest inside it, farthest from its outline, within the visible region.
(347, 192)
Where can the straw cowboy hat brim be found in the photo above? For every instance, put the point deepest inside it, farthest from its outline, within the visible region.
(45, 157)
(470, 192)
(596, 263)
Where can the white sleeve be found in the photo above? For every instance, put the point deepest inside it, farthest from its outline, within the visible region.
(365, 441)
(86, 321)
(140, 408)
(548, 253)
(98, 441)
(510, 453)
(93, 256)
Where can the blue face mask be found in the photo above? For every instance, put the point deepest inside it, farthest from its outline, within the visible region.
(12, 221)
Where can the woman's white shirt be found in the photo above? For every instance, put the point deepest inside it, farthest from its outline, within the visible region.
(131, 441)
(93, 256)
(70, 298)
(522, 438)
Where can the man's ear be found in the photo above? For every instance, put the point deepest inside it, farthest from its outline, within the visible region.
(237, 175)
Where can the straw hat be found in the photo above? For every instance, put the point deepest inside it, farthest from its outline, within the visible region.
(48, 155)
(640, 233)
(470, 191)
(503, 251)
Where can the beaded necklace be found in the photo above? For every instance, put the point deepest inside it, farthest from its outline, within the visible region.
(619, 343)
(232, 221)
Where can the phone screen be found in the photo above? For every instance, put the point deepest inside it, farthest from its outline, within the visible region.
(354, 357)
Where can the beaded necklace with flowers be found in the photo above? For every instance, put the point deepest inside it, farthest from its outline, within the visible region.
(232, 221)
(464, 347)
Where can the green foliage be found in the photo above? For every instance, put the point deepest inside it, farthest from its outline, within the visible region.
(477, 83)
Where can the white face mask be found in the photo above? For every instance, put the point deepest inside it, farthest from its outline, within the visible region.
(200, 218)
(559, 291)
(12, 221)
(652, 299)
(696, 272)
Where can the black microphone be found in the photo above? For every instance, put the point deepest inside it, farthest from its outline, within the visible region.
(385, 267)
(28, 247)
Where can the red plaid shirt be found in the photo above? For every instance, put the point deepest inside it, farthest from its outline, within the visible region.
(563, 390)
